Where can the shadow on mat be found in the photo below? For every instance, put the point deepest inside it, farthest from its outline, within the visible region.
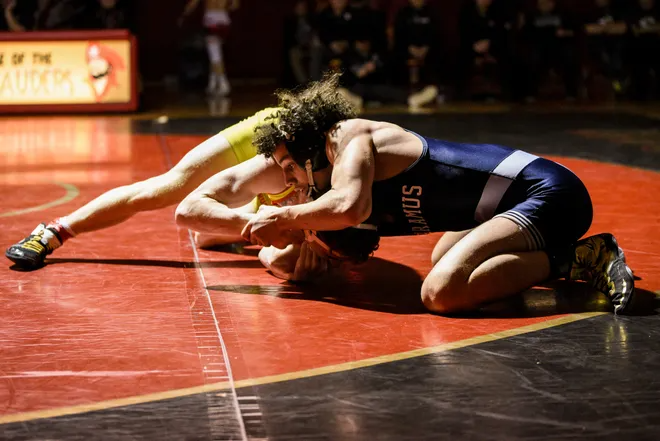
(157, 263)
(564, 297)
(385, 286)
(229, 249)
(236, 248)
(378, 285)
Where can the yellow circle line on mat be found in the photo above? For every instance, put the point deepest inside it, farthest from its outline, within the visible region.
(215, 387)
(72, 192)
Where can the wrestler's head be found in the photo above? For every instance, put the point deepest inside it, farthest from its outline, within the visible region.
(296, 135)
(354, 245)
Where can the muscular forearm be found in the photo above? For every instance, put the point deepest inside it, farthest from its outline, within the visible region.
(207, 215)
(333, 211)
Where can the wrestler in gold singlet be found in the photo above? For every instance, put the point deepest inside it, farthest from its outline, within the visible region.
(220, 152)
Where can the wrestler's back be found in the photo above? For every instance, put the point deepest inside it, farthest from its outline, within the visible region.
(396, 149)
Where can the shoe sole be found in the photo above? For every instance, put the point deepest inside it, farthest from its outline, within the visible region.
(628, 277)
(23, 262)
(627, 296)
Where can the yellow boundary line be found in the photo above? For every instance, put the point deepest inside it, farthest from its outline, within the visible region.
(72, 192)
(159, 396)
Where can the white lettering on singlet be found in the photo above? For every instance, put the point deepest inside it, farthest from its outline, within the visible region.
(412, 205)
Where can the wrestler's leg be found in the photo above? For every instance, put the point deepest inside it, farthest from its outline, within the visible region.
(231, 146)
(448, 240)
(491, 262)
(119, 204)
(503, 257)
(209, 240)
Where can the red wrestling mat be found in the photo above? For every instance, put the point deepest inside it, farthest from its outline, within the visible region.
(280, 329)
(125, 312)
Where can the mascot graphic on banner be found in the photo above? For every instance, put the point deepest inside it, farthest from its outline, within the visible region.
(103, 64)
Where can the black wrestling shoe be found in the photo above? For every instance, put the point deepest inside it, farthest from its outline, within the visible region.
(599, 261)
(31, 252)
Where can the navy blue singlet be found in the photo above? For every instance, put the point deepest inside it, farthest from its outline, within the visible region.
(456, 186)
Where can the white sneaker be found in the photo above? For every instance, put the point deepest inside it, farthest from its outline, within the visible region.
(425, 96)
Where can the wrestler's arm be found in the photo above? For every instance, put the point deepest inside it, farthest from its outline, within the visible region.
(218, 206)
(348, 202)
(215, 207)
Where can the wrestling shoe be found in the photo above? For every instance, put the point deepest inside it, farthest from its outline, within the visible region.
(599, 261)
(31, 252)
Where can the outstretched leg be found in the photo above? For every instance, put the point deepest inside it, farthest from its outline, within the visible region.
(121, 203)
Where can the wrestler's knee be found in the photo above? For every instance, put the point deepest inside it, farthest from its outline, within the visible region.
(444, 289)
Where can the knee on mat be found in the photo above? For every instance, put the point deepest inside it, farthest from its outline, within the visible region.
(443, 291)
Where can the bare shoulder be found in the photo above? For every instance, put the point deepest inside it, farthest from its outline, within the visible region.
(346, 131)
(378, 134)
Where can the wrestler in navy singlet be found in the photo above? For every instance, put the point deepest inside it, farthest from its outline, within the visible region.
(455, 187)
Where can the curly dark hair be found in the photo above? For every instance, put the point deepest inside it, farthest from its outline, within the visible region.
(357, 244)
(305, 117)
